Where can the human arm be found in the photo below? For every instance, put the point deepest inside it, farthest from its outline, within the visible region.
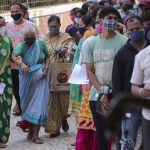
(92, 77)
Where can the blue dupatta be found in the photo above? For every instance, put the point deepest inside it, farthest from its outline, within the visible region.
(30, 59)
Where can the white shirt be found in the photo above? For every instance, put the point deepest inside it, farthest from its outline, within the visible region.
(141, 74)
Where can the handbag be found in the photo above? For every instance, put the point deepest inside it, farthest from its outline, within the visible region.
(103, 100)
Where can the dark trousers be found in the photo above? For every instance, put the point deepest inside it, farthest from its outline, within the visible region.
(146, 134)
(15, 80)
(99, 122)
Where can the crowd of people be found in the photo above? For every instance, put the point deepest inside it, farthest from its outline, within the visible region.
(111, 38)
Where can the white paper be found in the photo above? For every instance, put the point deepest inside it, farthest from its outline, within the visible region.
(128, 115)
(2, 87)
(78, 75)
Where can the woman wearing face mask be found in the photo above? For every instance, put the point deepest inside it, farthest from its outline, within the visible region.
(58, 44)
(5, 87)
(72, 29)
(33, 60)
(79, 100)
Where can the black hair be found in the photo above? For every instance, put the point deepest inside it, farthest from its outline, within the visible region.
(54, 18)
(74, 10)
(81, 11)
(18, 4)
(87, 20)
(1, 17)
(24, 7)
(108, 10)
(132, 18)
(102, 2)
(85, 7)
(94, 11)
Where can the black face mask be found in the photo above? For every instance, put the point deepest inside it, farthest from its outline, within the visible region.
(128, 6)
(82, 30)
(29, 41)
(16, 17)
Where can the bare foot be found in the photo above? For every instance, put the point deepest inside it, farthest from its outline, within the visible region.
(37, 140)
(2, 145)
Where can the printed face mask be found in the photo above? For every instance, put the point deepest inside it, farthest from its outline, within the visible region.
(110, 25)
(54, 31)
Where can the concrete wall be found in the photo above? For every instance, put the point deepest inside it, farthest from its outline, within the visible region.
(42, 14)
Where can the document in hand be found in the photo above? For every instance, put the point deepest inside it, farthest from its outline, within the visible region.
(79, 75)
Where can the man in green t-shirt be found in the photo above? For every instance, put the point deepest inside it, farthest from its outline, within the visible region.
(99, 54)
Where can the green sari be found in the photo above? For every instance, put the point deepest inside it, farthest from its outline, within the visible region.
(75, 93)
(6, 97)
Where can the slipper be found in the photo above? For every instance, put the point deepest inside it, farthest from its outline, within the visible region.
(65, 125)
(55, 135)
(16, 113)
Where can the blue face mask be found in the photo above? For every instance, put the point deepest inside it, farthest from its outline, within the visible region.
(82, 31)
(110, 25)
(76, 20)
(137, 36)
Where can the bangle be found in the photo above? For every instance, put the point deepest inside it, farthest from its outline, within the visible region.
(140, 92)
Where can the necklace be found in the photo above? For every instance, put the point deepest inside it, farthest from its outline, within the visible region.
(55, 40)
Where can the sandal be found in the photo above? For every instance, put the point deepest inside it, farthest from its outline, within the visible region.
(65, 125)
(2, 145)
(54, 135)
(37, 141)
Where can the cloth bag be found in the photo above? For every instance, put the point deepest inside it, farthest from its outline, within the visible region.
(59, 75)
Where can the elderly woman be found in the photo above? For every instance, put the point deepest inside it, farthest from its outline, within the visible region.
(33, 88)
(59, 100)
(5, 87)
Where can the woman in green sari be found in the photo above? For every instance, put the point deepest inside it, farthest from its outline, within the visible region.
(5, 88)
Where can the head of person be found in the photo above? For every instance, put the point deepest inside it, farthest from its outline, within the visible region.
(135, 29)
(85, 23)
(72, 13)
(85, 6)
(78, 14)
(145, 10)
(128, 4)
(105, 3)
(91, 7)
(29, 36)
(54, 25)
(108, 19)
(16, 11)
(2, 22)
(25, 11)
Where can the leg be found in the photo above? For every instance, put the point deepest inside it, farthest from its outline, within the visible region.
(146, 134)
(35, 138)
(64, 104)
(99, 122)
(30, 133)
(15, 80)
(54, 116)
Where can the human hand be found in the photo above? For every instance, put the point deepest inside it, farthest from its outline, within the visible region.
(24, 68)
(144, 92)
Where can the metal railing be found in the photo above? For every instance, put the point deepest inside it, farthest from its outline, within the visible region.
(4, 4)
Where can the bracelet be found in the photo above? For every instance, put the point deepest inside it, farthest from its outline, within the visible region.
(140, 92)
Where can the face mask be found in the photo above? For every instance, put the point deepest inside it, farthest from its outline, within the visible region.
(16, 17)
(54, 31)
(81, 30)
(76, 20)
(29, 41)
(137, 36)
(98, 28)
(110, 25)
(128, 6)
(72, 18)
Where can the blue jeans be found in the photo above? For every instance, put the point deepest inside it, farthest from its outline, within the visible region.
(130, 129)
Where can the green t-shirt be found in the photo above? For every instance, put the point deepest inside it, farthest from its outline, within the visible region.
(21, 49)
(101, 53)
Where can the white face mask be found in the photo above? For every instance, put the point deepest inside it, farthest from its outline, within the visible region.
(123, 15)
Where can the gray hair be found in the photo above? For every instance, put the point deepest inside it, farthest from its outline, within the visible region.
(29, 29)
